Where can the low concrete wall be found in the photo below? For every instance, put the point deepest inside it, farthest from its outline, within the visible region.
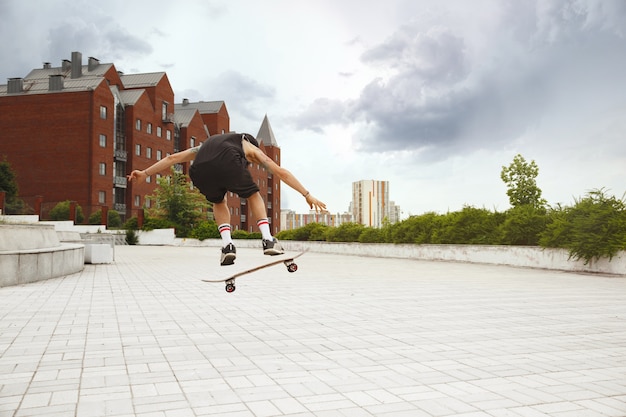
(156, 237)
(518, 256)
(31, 253)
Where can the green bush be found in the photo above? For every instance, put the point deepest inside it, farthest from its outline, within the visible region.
(242, 234)
(371, 235)
(114, 219)
(310, 232)
(594, 228)
(416, 229)
(345, 232)
(205, 230)
(61, 212)
(131, 237)
(523, 225)
(471, 225)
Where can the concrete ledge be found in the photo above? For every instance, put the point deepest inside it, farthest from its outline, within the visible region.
(518, 256)
(25, 237)
(24, 266)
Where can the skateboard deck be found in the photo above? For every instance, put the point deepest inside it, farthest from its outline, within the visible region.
(286, 258)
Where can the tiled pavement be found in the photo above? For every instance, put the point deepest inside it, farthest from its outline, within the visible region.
(344, 336)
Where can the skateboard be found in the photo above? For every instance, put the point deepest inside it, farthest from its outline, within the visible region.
(286, 259)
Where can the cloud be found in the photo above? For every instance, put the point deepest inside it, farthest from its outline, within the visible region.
(240, 92)
(444, 89)
(99, 34)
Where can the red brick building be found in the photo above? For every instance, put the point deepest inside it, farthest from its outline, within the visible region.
(74, 132)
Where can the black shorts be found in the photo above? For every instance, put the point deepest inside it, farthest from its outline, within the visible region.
(229, 172)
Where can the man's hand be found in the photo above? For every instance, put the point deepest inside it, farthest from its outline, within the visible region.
(137, 175)
(315, 203)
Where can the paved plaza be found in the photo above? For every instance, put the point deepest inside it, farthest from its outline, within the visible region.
(344, 336)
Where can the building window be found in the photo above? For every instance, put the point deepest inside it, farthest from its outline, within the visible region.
(102, 168)
(103, 141)
(103, 112)
(148, 179)
(159, 132)
(158, 156)
(137, 201)
(192, 142)
(138, 150)
(149, 153)
(164, 111)
(168, 134)
(149, 128)
(138, 124)
(102, 197)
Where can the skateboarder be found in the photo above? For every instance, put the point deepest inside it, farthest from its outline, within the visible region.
(220, 164)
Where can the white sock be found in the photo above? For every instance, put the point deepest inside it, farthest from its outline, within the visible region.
(264, 227)
(224, 230)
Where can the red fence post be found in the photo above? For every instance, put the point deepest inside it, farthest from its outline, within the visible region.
(104, 218)
(140, 218)
(38, 204)
(2, 197)
(73, 211)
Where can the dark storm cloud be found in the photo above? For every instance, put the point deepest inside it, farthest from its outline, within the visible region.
(96, 35)
(50, 31)
(439, 90)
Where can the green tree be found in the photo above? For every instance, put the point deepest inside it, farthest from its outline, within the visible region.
(8, 179)
(178, 202)
(520, 178)
(8, 184)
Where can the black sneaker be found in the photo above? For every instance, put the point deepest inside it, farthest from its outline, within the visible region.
(228, 255)
(272, 247)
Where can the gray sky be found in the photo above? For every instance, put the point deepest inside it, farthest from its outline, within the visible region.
(434, 96)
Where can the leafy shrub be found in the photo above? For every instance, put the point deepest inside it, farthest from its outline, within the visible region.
(131, 237)
(471, 225)
(523, 225)
(416, 229)
(594, 228)
(345, 232)
(62, 212)
(205, 230)
(114, 219)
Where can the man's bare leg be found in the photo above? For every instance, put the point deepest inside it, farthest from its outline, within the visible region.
(259, 213)
(222, 218)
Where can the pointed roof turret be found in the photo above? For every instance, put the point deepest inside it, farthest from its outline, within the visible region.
(266, 135)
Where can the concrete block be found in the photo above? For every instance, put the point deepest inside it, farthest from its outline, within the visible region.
(98, 253)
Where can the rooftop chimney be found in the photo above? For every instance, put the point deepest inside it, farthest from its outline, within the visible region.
(47, 65)
(15, 85)
(77, 64)
(185, 101)
(92, 63)
(66, 65)
(55, 82)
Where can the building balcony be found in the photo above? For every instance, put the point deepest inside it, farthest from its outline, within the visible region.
(120, 182)
(119, 207)
(121, 155)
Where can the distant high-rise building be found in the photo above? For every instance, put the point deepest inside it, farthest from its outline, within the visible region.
(370, 202)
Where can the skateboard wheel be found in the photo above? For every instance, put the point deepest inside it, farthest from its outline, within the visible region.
(292, 267)
(230, 287)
